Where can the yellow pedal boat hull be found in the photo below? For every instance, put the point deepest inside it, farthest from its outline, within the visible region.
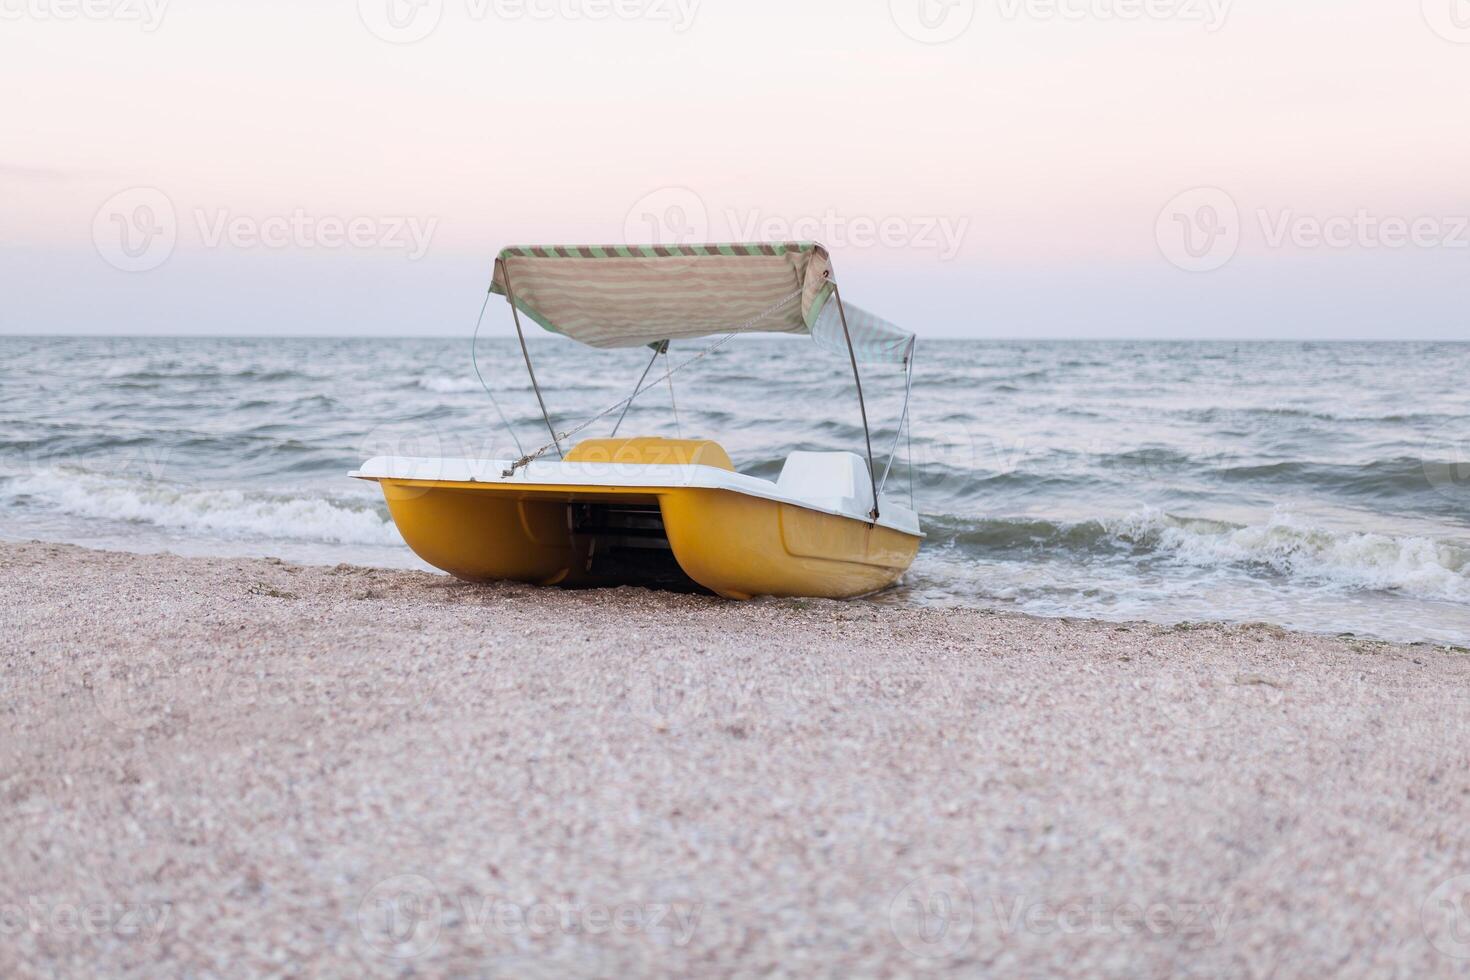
(733, 544)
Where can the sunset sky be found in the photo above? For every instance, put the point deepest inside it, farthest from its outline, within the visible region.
(1006, 168)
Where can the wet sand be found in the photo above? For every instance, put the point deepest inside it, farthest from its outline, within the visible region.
(213, 766)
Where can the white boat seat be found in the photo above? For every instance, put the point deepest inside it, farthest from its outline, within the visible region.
(834, 481)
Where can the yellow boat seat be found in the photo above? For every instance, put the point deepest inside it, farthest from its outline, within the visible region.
(652, 452)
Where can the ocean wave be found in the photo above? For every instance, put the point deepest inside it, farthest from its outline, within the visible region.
(1295, 549)
(153, 370)
(1378, 479)
(1285, 546)
(129, 367)
(1267, 413)
(448, 386)
(230, 513)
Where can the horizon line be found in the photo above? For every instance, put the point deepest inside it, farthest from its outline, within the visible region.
(1119, 339)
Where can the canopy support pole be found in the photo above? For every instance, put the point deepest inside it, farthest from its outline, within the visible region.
(510, 295)
(908, 389)
(862, 405)
(658, 348)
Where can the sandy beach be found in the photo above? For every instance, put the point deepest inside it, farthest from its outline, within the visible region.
(215, 766)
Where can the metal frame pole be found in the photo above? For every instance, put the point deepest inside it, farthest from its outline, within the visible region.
(862, 404)
(510, 295)
(908, 388)
(659, 348)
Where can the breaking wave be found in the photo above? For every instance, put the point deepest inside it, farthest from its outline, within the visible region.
(1295, 549)
(231, 513)
(448, 386)
(1284, 546)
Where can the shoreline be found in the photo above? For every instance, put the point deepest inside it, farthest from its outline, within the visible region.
(287, 553)
(211, 763)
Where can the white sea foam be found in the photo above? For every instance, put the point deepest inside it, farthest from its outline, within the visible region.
(1294, 548)
(232, 513)
(448, 386)
(123, 368)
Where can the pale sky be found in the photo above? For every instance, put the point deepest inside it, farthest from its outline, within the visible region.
(996, 168)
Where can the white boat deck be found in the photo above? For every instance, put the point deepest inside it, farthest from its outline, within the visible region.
(830, 483)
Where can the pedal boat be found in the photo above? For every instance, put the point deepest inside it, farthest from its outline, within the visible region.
(669, 513)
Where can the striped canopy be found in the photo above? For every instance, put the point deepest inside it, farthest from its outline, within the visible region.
(631, 295)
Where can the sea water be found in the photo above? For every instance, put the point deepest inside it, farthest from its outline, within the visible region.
(1323, 487)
